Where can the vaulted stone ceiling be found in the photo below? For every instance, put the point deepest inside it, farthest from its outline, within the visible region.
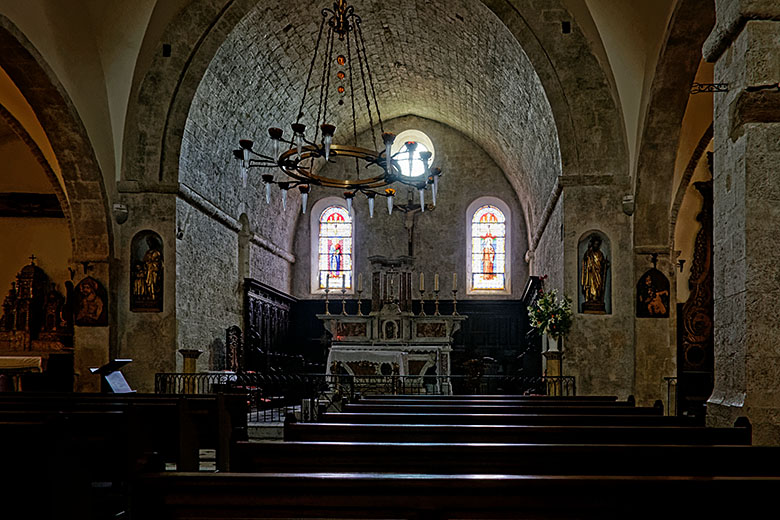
(452, 61)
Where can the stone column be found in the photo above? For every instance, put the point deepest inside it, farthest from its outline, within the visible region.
(745, 46)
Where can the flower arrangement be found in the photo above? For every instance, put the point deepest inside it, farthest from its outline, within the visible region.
(551, 315)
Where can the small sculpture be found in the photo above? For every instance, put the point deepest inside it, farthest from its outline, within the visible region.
(594, 277)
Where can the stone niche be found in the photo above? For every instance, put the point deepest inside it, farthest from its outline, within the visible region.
(146, 272)
(596, 244)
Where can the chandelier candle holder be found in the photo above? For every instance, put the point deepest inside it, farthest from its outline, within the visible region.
(327, 290)
(422, 294)
(297, 161)
(343, 296)
(359, 293)
(436, 293)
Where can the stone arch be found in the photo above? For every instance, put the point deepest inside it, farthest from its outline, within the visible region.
(157, 117)
(575, 83)
(83, 188)
(680, 56)
(87, 203)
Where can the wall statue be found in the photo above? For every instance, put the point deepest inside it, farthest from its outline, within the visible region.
(593, 277)
(146, 272)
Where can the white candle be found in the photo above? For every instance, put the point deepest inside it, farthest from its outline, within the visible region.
(422, 282)
(360, 282)
(454, 281)
(327, 280)
(343, 281)
(436, 282)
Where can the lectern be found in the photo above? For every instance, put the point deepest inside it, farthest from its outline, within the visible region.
(113, 380)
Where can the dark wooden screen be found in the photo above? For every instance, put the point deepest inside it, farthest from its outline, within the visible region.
(266, 326)
(695, 344)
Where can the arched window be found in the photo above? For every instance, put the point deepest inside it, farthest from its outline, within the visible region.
(333, 257)
(400, 151)
(488, 246)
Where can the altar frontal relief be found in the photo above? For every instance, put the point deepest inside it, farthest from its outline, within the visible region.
(488, 249)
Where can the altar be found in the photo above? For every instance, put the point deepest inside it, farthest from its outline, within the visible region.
(393, 340)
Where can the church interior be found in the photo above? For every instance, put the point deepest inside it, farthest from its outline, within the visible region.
(234, 228)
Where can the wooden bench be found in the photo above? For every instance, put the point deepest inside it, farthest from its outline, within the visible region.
(527, 459)
(432, 497)
(499, 397)
(175, 427)
(513, 434)
(529, 419)
(504, 409)
(493, 402)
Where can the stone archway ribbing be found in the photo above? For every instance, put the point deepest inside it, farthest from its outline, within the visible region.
(87, 207)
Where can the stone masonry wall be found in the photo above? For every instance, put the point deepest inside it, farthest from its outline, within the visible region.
(440, 235)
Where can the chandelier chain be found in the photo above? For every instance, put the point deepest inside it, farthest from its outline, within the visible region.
(324, 86)
(352, 99)
(311, 67)
(365, 87)
(370, 80)
(327, 86)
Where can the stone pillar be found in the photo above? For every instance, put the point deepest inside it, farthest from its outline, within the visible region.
(745, 46)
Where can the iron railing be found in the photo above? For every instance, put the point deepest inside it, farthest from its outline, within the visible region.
(272, 397)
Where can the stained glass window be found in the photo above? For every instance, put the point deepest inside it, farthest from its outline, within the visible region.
(488, 249)
(335, 248)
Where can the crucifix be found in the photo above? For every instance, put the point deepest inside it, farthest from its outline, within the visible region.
(411, 210)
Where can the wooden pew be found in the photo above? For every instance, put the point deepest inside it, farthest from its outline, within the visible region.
(504, 409)
(494, 402)
(499, 397)
(431, 496)
(525, 459)
(529, 419)
(175, 427)
(335, 432)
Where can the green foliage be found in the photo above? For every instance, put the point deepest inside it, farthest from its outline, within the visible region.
(551, 315)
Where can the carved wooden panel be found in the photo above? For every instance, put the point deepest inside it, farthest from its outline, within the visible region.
(695, 339)
(266, 323)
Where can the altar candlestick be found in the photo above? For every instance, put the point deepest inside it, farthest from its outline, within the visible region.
(454, 280)
(360, 282)
(436, 282)
(422, 282)
(327, 281)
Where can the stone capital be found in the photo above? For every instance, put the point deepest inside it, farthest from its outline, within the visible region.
(731, 17)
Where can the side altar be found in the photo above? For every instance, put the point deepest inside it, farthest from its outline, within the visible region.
(391, 340)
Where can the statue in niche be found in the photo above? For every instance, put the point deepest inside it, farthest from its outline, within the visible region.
(146, 273)
(90, 306)
(594, 277)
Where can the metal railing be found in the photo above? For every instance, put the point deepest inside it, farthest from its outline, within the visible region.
(273, 397)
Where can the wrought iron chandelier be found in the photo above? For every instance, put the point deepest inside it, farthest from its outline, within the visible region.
(301, 157)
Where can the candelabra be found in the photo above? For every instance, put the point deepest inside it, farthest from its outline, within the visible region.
(422, 302)
(359, 292)
(455, 303)
(343, 301)
(436, 302)
(327, 290)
